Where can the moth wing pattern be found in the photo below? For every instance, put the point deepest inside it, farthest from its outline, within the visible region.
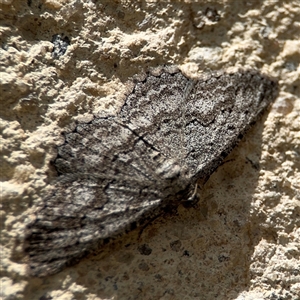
(230, 104)
(110, 178)
(120, 170)
(74, 216)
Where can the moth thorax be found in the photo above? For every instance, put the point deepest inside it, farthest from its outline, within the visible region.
(169, 169)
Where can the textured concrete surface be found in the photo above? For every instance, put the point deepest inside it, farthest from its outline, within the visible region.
(242, 241)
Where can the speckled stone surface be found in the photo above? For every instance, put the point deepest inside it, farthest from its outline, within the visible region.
(62, 61)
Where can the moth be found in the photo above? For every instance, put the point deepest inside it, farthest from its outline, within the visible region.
(115, 172)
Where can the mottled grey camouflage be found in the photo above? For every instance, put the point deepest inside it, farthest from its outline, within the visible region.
(118, 171)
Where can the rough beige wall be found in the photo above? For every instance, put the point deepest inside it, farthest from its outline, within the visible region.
(242, 241)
